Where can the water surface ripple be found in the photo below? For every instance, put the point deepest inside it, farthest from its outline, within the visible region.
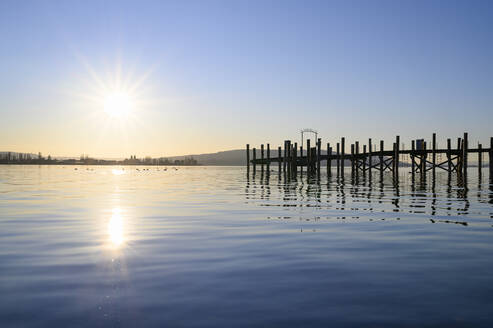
(215, 247)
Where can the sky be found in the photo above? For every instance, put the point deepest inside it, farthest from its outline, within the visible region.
(206, 76)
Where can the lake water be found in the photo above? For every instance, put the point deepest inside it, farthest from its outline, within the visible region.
(209, 247)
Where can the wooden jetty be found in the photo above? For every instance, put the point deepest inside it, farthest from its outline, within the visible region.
(423, 157)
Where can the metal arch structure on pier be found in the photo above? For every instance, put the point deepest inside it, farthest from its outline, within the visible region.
(423, 157)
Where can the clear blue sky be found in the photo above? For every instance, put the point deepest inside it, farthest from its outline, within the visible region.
(214, 75)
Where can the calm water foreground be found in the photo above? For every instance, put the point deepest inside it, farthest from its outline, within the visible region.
(207, 247)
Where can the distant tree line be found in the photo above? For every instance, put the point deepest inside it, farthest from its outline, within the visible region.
(25, 158)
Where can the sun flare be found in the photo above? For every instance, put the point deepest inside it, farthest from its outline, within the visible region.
(118, 104)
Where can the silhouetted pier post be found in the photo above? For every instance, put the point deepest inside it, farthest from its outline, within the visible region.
(343, 151)
(369, 157)
(284, 158)
(364, 159)
(356, 157)
(413, 169)
(449, 155)
(295, 160)
(491, 158)
(396, 155)
(268, 157)
(248, 157)
(459, 156)
(279, 155)
(433, 152)
(423, 161)
(254, 155)
(262, 157)
(338, 159)
(329, 160)
(352, 159)
(394, 150)
(308, 156)
(319, 153)
(288, 156)
(480, 160)
(464, 154)
(381, 157)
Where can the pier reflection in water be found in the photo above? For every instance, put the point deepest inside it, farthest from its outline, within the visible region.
(439, 197)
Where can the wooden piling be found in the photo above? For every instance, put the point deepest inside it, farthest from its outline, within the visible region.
(423, 161)
(343, 150)
(254, 155)
(480, 160)
(465, 148)
(413, 148)
(319, 154)
(329, 161)
(369, 157)
(308, 156)
(459, 156)
(433, 152)
(248, 156)
(284, 161)
(338, 162)
(295, 158)
(262, 157)
(396, 156)
(352, 158)
(491, 158)
(288, 148)
(364, 159)
(268, 157)
(394, 152)
(381, 156)
(449, 155)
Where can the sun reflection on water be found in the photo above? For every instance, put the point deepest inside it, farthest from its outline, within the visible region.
(115, 229)
(117, 171)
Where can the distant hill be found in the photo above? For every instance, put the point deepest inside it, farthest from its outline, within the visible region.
(237, 157)
(229, 157)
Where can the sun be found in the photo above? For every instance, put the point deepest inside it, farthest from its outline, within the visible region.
(118, 104)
